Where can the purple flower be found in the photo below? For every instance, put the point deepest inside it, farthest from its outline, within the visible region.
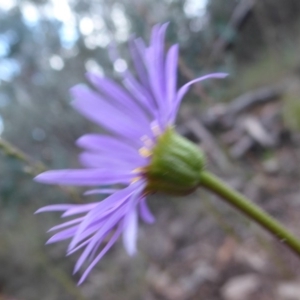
(137, 114)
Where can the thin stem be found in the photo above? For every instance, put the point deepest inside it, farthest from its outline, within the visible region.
(32, 167)
(9, 150)
(215, 185)
(60, 276)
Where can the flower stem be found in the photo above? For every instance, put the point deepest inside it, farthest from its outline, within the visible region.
(217, 186)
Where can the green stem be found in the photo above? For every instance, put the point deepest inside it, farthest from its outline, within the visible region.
(215, 185)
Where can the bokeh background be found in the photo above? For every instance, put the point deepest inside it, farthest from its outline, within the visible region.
(248, 125)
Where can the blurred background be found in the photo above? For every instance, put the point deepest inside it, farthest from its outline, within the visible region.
(248, 125)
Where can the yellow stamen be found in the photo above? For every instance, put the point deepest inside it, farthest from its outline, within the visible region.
(156, 130)
(145, 152)
(136, 179)
(138, 170)
(147, 141)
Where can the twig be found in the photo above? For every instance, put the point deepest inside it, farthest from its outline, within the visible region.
(32, 167)
(252, 98)
(239, 14)
(61, 277)
(11, 151)
(227, 115)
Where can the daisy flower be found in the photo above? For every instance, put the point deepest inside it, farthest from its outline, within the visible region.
(143, 154)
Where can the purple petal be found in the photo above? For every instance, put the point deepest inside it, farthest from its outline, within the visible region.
(100, 191)
(140, 93)
(79, 246)
(137, 50)
(145, 213)
(112, 202)
(158, 44)
(84, 177)
(100, 255)
(66, 224)
(108, 163)
(106, 144)
(79, 209)
(107, 226)
(88, 233)
(130, 231)
(97, 109)
(119, 97)
(155, 65)
(131, 223)
(87, 251)
(154, 78)
(171, 74)
(182, 91)
(63, 235)
(54, 207)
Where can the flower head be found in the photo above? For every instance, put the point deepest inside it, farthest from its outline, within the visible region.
(143, 154)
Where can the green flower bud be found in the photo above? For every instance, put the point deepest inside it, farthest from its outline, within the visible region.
(175, 166)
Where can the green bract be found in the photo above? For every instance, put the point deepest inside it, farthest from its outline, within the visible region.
(175, 166)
